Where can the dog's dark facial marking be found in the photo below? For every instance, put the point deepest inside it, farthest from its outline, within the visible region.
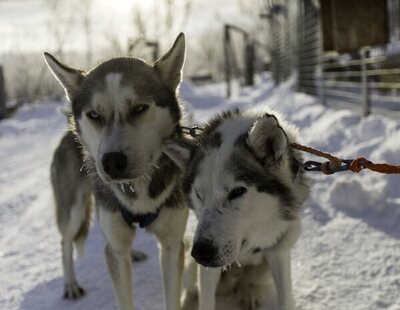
(162, 177)
(144, 80)
(236, 193)
(252, 174)
(193, 170)
(135, 112)
(256, 250)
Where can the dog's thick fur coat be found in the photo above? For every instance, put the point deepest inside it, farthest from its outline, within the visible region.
(246, 188)
(122, 111)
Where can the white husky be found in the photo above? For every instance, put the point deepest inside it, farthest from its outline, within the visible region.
(245, 186)
(122, 110)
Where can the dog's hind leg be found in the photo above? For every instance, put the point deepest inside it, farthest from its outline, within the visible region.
(209, 278)
(73, 201)
(72, 290)
(75, 231)
(118, 255)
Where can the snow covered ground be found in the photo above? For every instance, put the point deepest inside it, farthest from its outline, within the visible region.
(348, 256)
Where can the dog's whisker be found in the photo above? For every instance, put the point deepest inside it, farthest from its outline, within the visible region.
(83, 167)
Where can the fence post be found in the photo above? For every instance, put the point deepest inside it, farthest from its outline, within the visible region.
(250, 58)
(227, 42)
(2, 95)
(364, 51)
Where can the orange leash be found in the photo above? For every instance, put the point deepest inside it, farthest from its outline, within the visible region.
(336, 164)
(361, 163)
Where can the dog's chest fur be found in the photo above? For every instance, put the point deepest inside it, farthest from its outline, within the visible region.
(144, 195)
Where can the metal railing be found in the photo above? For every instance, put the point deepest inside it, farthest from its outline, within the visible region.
(239, 59)
(366, 81)
(369, 83)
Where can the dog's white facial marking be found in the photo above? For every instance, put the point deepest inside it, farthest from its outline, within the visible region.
(89, 135)
(113, 84)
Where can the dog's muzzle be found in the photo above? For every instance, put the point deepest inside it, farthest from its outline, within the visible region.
(205, 253)
(115, 164)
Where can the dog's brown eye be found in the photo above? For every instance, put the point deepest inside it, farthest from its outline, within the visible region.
(139, 109)
(237, 192)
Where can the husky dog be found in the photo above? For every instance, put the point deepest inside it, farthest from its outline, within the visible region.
(245, 186)
(122, 110)
(73, 195)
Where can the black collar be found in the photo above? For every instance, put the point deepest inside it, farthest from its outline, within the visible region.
(143, 220)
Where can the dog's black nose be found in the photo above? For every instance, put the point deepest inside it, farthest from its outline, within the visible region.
(204, 252)
(115, 164)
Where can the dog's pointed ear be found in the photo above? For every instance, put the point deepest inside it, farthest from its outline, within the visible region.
(170, 65)
(268, 139)
(69, 78)
(179, 151)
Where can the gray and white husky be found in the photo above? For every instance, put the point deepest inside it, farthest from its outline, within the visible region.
(73, 195)
(122, 111)
(245, 186)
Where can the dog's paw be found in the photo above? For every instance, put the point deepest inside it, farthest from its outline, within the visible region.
(73, 291)
(251, 298)
(138, 256)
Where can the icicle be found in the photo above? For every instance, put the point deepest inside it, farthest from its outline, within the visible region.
(132, 188)
(238, 263)
(122, 186)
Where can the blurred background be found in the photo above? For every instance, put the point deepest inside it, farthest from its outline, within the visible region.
(84, 32)
(345, 52)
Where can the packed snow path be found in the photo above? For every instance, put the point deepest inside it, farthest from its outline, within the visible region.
(348, 256)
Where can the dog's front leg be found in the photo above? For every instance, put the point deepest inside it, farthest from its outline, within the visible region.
(171, 258)
(209, 278)
(279, 262)
(118, 255)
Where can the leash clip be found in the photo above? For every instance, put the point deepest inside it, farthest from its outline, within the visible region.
(194, 131)
(327, 167)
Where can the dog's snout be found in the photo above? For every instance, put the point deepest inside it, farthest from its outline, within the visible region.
(204, 252)
(115, 164)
